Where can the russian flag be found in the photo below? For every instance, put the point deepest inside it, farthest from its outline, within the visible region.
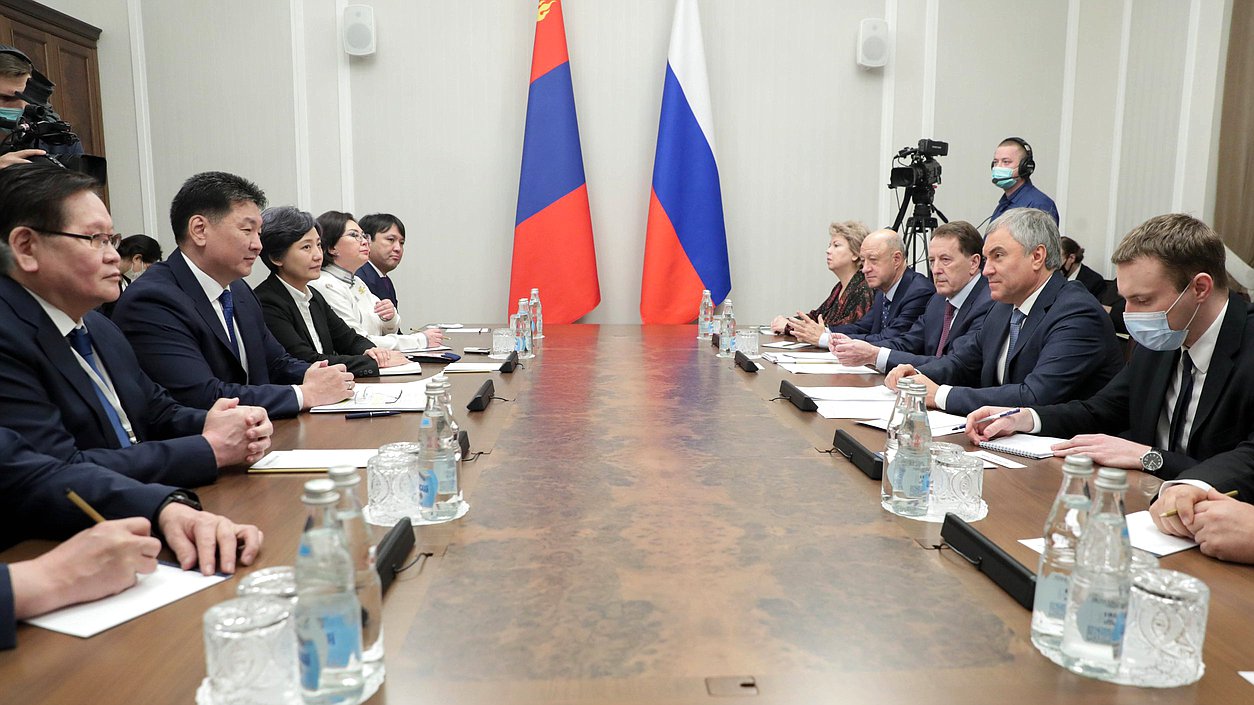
(553, 247)
(685, 247)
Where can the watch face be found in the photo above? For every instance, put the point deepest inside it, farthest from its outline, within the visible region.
(1152, 461)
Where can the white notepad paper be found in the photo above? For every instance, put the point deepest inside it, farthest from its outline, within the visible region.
(1024, 445)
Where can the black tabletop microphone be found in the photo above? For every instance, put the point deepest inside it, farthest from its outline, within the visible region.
(482, 398)
(789, 391)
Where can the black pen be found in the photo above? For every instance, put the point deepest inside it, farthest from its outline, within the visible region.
(369, 414)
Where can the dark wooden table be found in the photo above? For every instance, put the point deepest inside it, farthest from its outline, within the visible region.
(647, 520)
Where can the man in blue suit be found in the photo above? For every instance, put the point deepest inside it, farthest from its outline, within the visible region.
(387, 247)
(901, 294)
(1046, 340)
(69, 382)
(195, 324)
(103, 559)
(956, 310)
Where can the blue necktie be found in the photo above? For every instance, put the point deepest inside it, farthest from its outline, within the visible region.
(1016, 322)
(80, 340)
(389, 289)
(228, 313)
(884, 315)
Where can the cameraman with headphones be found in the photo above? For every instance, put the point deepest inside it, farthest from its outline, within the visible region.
(1012, 166)
(18, 82)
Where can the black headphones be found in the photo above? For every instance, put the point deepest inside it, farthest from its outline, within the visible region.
(1027, 165)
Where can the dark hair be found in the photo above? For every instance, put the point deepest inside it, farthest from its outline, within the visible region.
(969, 239)
(34, 195)
(212, 194)
(282, 227)
(378, 222)
(14, 63)
(1071, 247)
(332, 224)
(148, 249)
(1183, 244)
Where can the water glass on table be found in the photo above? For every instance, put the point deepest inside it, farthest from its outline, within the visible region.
(250, 651)
(502, 343)
(392, 493)
(958, 485)
(1162, 642)
(747, 342)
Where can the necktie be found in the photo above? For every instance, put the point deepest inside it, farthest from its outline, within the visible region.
(80, 340)
(884, 315)
(945, 326)
(1182, 404)
(389, 289)
(1016, 322)
(228, 313)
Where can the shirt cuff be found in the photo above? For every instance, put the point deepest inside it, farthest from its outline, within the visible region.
(1200, 484)
(1036, 421)
(942, 396)
(881, 360)
(825, 340)
(422, 340)
(300, 397)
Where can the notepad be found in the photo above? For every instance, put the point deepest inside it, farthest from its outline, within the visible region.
(168, 584)
(473, 367)
(409, 368)
(384, 396)
(1023, 445)
(312, 460)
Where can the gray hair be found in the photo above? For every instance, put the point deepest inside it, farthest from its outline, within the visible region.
(281, 227)
(1032, 227)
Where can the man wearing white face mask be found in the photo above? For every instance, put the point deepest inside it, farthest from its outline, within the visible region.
(1012, 167)
(1183, 402)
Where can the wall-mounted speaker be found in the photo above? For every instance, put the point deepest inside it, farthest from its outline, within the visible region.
(359, 34)
(874, 44)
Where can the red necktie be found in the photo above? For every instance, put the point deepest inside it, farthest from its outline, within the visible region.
(949, 321)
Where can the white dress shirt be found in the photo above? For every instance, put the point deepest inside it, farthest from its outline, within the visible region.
(957, 300)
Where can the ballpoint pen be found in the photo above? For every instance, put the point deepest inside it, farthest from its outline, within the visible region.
(986, 419)
(369, 414)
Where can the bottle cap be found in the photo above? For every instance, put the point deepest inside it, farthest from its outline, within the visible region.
(344, 475)
(320, 491)
(1080, 465)
(535, 291)
(1112, 479)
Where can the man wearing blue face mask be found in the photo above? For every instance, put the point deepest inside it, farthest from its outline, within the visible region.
(1012, 167)
(1183, 403)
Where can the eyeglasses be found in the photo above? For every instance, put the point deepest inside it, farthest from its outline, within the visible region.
(357, 235)
(97, 241)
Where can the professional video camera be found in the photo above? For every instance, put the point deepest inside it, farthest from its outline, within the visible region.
(39, 127)
(919, 178)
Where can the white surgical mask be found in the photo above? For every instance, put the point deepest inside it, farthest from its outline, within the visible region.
(1152, 330)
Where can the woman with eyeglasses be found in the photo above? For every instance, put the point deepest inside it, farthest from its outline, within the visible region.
(346, 249)
(296, 314)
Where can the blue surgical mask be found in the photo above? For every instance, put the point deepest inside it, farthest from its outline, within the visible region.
(10, 116)
(1003, 177)
(1153, 331)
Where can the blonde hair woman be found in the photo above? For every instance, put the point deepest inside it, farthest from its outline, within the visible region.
(850, 299)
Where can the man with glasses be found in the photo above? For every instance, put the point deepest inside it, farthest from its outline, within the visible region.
(196, 325)
(69, 382)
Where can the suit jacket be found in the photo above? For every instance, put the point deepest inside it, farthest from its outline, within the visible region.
(340, 344)
(1066, 350)
(1094, 282)
(913, 292)
(33, 505)
(378, 284)
(917, 346)
(181, 343)
(47, 397)
(1130, 405)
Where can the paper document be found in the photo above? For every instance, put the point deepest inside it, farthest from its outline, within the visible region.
(168, 584)
(854, 409)
(467, 330)
(878, 393)
(409, 368)
(413, 350)
(312, 460)
(405, 396)
(1143, 535)
(997, 459)
(824, 369)
(1024, 445)
(941, 423)
(824, 356)
(1247, 675)
(473, 367)
(786, 345)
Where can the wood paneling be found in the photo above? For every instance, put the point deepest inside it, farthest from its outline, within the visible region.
(1234, 209)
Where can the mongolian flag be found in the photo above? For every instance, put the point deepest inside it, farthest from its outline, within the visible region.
(553, 248)
(685, 247)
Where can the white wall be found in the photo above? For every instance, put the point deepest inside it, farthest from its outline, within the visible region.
(1119, 98)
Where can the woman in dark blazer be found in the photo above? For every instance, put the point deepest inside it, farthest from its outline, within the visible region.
(291, 247)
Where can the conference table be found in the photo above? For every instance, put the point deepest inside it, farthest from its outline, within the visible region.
(647, 525)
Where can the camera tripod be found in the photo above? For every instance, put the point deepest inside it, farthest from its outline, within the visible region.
(919, 226)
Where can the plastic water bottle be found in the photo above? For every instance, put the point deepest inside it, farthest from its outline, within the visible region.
(328, 615)
(1062, 533)
(727, 333)
(1097, 602)
(446, 403)
(527, 350)
(361, 550)
(910, 473)
(537, 315)
(705, 319)
(439, 448)
(895, 418)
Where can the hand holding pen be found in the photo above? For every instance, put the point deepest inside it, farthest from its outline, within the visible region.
(989, 422)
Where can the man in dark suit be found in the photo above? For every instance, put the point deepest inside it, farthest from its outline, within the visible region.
(901, 294)
(387, 247)
(195, 324)
(1046, 340)
(956, 310)
(69, 382)
(103, 559)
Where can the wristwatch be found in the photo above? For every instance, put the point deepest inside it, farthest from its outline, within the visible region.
(178, 497)
(1152, 461)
